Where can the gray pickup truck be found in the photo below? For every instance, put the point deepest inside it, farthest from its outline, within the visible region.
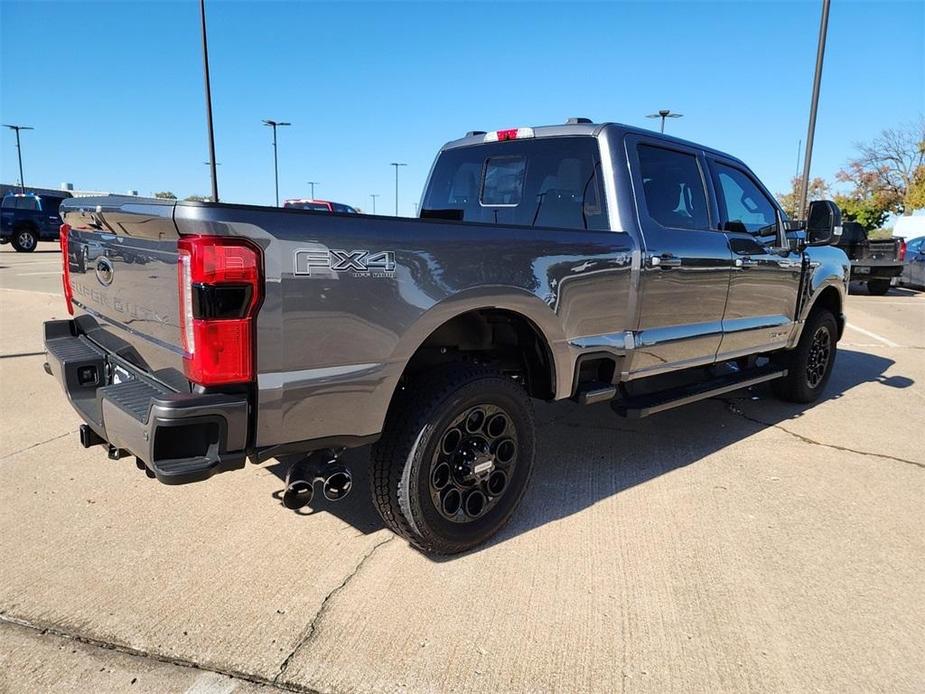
(584, 261)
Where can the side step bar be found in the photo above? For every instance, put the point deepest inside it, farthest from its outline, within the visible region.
(644, 405)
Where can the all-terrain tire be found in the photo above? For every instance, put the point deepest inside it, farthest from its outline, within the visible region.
(402, 459)
(806, 376)
(878, 287)
(25, 239)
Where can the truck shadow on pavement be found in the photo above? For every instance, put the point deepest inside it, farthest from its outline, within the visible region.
(586, 454)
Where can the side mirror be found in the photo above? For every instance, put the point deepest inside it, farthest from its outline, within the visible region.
(823, 225)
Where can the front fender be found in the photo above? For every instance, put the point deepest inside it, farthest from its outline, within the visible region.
(827, 273)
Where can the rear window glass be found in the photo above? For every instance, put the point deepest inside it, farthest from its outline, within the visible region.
(338, 207)
(504, 180)
(547, 182)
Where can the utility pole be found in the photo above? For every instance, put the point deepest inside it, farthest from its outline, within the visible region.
(205, 65)
(799, 151)
(814, 105)
(17, 128)
(663, 114)
(374, 196)
(275, 124)
(313, 184)
(396, 165)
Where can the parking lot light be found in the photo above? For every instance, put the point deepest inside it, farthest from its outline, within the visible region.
(17, 128)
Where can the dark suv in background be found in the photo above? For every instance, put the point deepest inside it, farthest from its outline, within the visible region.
(27, 218)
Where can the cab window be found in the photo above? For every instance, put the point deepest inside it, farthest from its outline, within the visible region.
(673, 188)
(543, 182)
(742, 204)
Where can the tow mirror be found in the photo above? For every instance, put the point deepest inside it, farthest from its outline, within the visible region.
(823, 225)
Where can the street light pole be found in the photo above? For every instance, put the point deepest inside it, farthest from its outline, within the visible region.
(275, 124)
(396, 165)
(663, 114)
(205, 65)
(814, 105)
(313, 184)
(17, 128)
(374, 196)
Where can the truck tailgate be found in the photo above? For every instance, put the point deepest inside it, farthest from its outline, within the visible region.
(122, 257)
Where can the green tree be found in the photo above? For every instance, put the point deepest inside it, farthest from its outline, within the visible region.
(165, 195)
(888, 171)
(198, 198)
(818, 190)
(870, 211)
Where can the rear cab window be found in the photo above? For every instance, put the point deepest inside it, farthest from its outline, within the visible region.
(541, 182)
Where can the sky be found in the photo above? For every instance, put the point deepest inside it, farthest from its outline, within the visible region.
(115, 90)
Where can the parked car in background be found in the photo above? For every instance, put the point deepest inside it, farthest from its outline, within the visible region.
(914, 269)
(319, 205)
(27, 218)
(875, 262)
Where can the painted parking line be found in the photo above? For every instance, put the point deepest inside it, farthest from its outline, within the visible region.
(33, 274)
(879, 338)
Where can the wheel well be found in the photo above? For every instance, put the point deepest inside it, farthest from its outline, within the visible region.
(499, 338)
(830, 299)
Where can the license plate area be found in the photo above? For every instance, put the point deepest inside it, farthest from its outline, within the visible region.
(861, 270)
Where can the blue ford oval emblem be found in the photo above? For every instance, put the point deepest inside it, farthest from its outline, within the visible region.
(104, 271)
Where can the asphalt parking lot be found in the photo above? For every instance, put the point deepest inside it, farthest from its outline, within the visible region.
(741, 544)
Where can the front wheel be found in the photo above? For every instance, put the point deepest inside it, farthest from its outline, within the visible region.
(454, 458)
(878, 287)
(809, 364)
(25, 240)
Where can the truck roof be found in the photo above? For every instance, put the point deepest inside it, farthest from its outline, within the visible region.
(584, 126)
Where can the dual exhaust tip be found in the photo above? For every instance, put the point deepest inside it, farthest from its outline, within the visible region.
(321, 466)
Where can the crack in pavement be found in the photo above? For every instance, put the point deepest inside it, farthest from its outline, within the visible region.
(35, 445)
(310, 631)
(138, 653)
(734, 409)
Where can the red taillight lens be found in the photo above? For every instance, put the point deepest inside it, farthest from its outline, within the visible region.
(509, 134)
(63, 233)
(220, 291)
(902, 250)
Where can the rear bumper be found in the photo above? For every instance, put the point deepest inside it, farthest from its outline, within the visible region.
(865, 270)
(180, 437)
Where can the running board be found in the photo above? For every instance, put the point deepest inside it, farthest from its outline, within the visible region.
(644, 405)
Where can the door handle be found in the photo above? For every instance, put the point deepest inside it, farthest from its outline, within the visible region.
(746, 262)
(664, 261)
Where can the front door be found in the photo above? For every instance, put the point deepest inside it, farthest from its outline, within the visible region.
(687, 261)
(765, 281)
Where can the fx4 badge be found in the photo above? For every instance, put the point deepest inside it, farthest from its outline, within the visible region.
(357, 263)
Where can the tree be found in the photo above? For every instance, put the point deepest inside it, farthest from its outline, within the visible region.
(870, 211)
(165, 195)
(198, 198)
(818, 190)
(888, 172)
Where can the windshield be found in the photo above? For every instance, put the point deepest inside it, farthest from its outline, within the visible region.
(549, 182)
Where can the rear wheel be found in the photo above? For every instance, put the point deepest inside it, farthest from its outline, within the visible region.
(25, 239)
(809, 364)
(454, 459)
(878, 287)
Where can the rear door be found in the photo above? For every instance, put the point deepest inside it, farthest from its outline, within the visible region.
(765, 276)
(685, 275)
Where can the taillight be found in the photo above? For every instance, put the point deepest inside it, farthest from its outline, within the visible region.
(220, 291)
(902, 250)
(63, 233)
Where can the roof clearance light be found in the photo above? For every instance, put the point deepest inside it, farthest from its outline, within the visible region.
(509, 134)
